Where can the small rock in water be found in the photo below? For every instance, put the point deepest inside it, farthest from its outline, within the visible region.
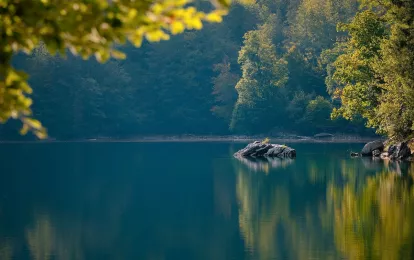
(259, 149)
(372, 146)
(353, 154)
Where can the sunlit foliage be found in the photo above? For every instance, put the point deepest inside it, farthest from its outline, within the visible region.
(288, 43)
(374, 74)
(263, 72)
(270, 82)
(86, 28)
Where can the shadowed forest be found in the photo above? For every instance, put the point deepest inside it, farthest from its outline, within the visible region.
(201, 82)
(271, 67)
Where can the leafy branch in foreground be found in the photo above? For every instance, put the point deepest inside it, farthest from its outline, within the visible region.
(87, 28)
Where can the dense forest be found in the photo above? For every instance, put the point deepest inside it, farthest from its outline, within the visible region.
(271, 67)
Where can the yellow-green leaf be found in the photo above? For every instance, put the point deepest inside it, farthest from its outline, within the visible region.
(118, 54)
(33, 123)
(177, 27)
(214, 17)
(24, 129)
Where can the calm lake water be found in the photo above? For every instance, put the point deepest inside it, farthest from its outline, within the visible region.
(183, 201)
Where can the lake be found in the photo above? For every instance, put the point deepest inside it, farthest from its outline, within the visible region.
(181, 201)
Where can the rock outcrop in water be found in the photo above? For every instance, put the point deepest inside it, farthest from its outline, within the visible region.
(398, 152)
(260, 149)
(372, 147)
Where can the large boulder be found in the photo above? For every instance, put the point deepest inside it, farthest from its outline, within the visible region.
(400, 151)
(251, 149)
(281, 151)
(259, 149)
(372, 146)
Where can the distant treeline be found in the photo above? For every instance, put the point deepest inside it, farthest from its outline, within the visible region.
(263, 70)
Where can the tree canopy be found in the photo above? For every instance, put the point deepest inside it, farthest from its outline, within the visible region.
(86, 28)
(373, 75)
(271, 67)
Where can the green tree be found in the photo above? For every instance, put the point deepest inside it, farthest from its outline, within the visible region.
(373, 77)
(264, 74)
(318, 112)
(224, 91)
(86, 28)
(311, 30)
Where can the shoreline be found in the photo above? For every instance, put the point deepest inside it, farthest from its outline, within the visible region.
(198, 139)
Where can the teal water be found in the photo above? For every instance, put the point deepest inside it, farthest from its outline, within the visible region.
(181, 201)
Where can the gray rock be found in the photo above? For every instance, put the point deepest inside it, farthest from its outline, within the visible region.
(376, 153)
(250, 149)
(262, 151)
(371, 146)
(258, 149)
(391, 149)
(400, 151)
(281, 151)
(275, 150)
(384, 155)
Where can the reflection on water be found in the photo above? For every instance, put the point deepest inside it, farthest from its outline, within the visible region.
(376, 221)
(264, 163)
(366, 211)
(117, 201)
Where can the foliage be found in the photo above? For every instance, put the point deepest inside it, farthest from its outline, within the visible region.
(263, 72)
(318, 112)
(266, 140)
(289, 44)
(86, 28)
(373, 75)
(223, 90)
(201, 81)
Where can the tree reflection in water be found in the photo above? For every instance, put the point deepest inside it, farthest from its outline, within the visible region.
(105, 207)
(263, 164)
(354, 209)
(376, 221)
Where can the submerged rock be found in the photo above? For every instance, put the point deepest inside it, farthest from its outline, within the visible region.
(259, 149)
(353, 154)
(372, 146)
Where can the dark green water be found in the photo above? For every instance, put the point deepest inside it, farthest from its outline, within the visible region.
(183, 201)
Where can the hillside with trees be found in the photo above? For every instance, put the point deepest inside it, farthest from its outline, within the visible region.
(271, 67)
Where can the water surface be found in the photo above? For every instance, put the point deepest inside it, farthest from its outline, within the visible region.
(183, 201)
